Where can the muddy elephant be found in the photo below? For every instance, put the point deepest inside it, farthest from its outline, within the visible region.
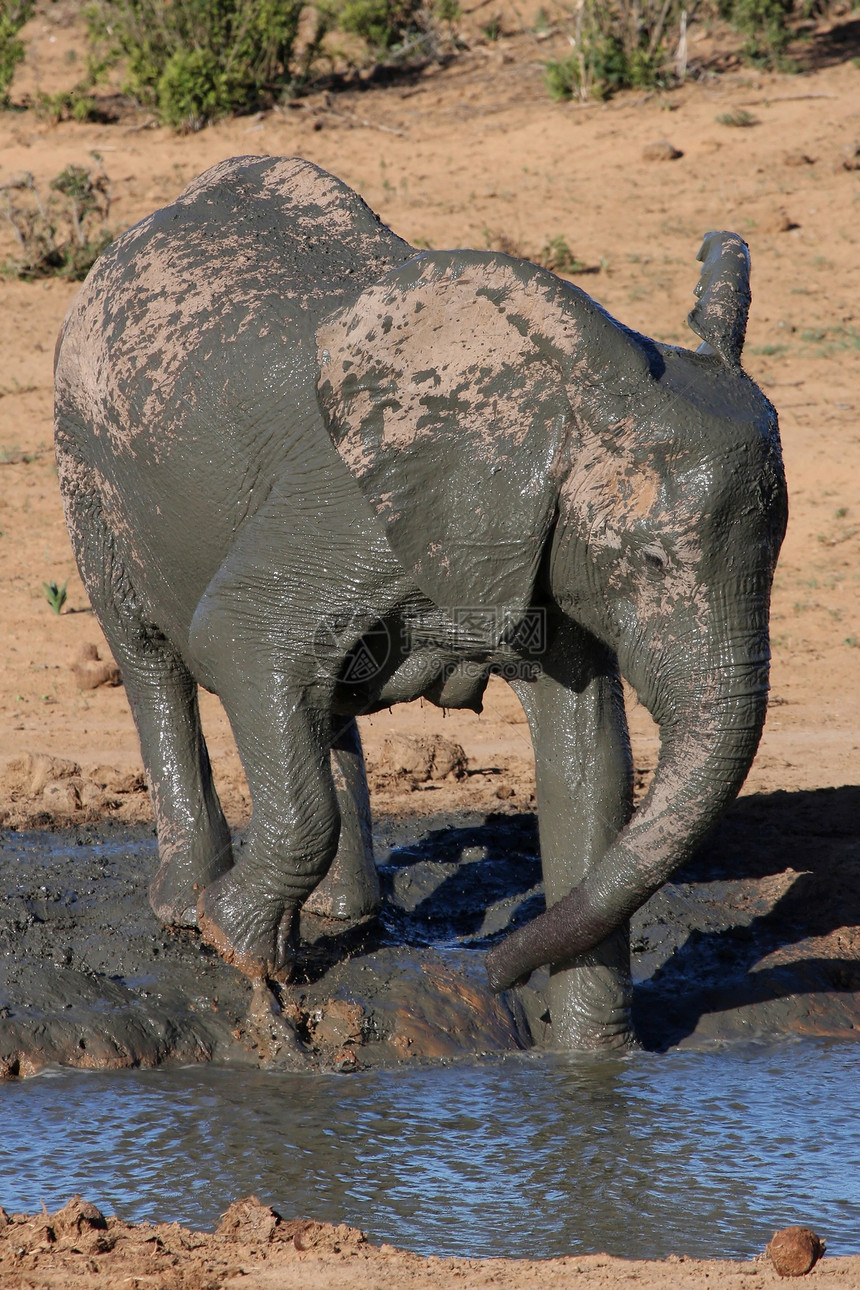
(319, 473)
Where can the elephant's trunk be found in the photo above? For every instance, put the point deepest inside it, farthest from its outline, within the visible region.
(710, 729)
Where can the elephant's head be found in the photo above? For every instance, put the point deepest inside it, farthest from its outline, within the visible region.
(516, 441)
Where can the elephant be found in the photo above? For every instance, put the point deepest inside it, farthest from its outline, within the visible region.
(318, 472)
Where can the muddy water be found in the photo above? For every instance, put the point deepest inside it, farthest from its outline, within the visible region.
(703, 1153)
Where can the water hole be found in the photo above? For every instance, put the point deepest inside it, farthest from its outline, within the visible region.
(697, 1153)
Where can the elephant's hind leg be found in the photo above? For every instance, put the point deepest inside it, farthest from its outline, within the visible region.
(256, 637)
(350, 889)
(250, 914)
(193, 837)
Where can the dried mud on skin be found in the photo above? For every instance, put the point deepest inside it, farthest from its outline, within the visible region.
(255, 1248)
(754, 938)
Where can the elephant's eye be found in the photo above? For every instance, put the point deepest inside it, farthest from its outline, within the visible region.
(655, 558)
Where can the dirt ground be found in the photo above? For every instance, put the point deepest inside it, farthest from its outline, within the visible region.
(458, 156)
(475, 154)
(254, 1249)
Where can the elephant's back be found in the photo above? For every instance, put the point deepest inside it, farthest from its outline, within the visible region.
(204, 296)
(186, 367)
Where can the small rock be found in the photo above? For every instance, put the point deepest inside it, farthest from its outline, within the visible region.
(92, 798)
(419, 758)
(505, 791)
(851, 157)
(778, 222)
(90, 671)
(337, 1023)
(662, 150)
(794, 1251)
(248, 1220)
(345, 1060)
(77, 1216)
(797, 159)
(61, 797)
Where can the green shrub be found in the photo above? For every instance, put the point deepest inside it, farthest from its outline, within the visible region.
(738, 117)
(764, 24)
(382, 23)
(557, 256)
(76, 104)
(61, 234)
(562, 77)
(602, 68)
(13, 15)
(198, 60)
(193, 61)
(191, 89)
(616, 46)
(621, 44)
(386, 25)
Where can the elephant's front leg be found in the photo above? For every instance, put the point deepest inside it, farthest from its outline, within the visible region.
(583, 768)
(350, 889)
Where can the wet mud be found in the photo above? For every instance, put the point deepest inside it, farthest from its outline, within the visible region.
(757, 936)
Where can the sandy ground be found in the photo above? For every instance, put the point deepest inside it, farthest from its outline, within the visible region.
(460, 155)
(471, 154)
(253, 1249)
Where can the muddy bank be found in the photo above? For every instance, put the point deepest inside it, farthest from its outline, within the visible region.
(255, 1248)
(756, 937)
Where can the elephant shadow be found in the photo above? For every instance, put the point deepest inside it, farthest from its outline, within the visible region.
(448, 884)
(764, 923)
(759, 933)
(754, 934)
(467, 883)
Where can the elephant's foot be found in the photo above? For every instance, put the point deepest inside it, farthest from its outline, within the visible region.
(590, 1007)
(256, 934)
(182, 875)
(349, 891)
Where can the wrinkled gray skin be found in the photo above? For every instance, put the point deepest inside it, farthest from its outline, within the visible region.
(293, 452)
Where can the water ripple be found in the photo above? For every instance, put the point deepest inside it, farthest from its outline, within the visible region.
(702, 1154)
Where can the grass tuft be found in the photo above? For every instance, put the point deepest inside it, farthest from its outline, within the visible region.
(55, 595)
(739, 118)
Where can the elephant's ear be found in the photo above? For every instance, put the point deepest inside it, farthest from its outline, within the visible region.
(720, 317)
(442, 391)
